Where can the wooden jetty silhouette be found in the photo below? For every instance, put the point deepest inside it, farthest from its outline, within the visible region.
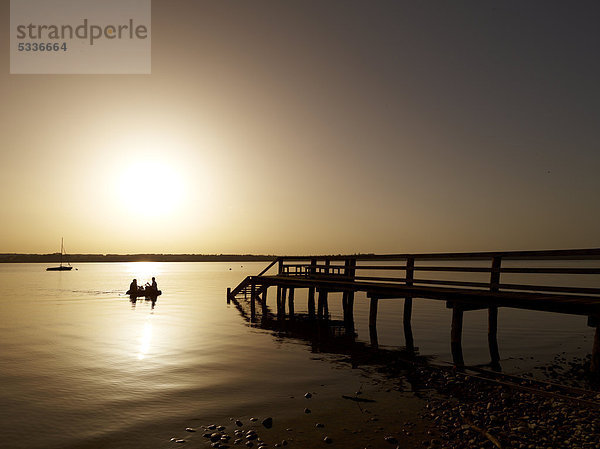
(466, 281)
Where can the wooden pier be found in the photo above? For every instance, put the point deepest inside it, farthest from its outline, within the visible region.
(466, 281)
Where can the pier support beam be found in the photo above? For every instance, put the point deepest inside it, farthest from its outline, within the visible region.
(595, 362)
(323, 307)
(311, 303)
(373, 322)
(456, 335)
(228, 295)
(407, 317)
(493, 337)
(253, 302)
(283, 301)
(406, 322)
(263, 305)
(373, 312)
(291, 303)
(279, 312)
(348, 307)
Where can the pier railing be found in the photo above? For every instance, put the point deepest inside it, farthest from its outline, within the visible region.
(563, 281)
(563, 272)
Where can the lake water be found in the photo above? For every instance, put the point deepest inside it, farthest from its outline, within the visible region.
(82, 366)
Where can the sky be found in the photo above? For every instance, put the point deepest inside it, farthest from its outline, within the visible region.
(315, 127)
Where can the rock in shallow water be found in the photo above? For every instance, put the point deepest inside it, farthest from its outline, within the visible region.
(268, 422)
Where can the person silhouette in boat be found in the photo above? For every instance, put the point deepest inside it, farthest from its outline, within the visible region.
(151, 288)
(133, 287)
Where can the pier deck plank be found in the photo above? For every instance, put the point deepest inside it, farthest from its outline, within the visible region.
(571, 304)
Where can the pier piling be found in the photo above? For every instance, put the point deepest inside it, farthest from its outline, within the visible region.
(493, 336)
(456, 335)
(322, 306)
(253, 302)
(595, 362)
(311, 303)
(291, 303)
(406, 323)
(279, 311)
(373, 312)
(407, 316)
(264, 304)
(348, 307)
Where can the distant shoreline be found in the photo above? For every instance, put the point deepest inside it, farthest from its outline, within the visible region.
(82, 258)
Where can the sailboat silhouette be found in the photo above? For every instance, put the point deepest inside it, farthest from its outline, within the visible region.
(61, 267)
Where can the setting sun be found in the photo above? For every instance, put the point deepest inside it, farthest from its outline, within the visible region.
(150, 188)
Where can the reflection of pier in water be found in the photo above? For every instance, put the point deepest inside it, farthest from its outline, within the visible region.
(329, 336)
(472, 282)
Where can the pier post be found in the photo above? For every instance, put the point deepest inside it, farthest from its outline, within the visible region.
(408, 335)
(373, 336)
(456, 335)
(279, 302)
(493, 336)
(348, 303)
(373, 322)
(253, 302)
(373, 312)
(311, 303)
(283, 300)
(595, 362)
(322, 308)
(264, 304)
(348, 295)
(407, 316)
(291, 303)
(495, 276)
(493, 314)
(228, 294)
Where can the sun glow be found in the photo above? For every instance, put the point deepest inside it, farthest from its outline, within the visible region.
(151, 188)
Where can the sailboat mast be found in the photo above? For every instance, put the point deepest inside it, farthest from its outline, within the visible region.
(61, 249)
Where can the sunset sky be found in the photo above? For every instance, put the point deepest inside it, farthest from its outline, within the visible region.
(296, 127)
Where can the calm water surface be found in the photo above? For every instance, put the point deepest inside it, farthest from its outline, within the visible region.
(81, 366)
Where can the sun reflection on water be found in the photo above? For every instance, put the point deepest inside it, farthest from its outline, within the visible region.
(143, 271)
(145, 339)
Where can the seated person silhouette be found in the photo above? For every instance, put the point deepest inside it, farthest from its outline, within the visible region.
(133, 287)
